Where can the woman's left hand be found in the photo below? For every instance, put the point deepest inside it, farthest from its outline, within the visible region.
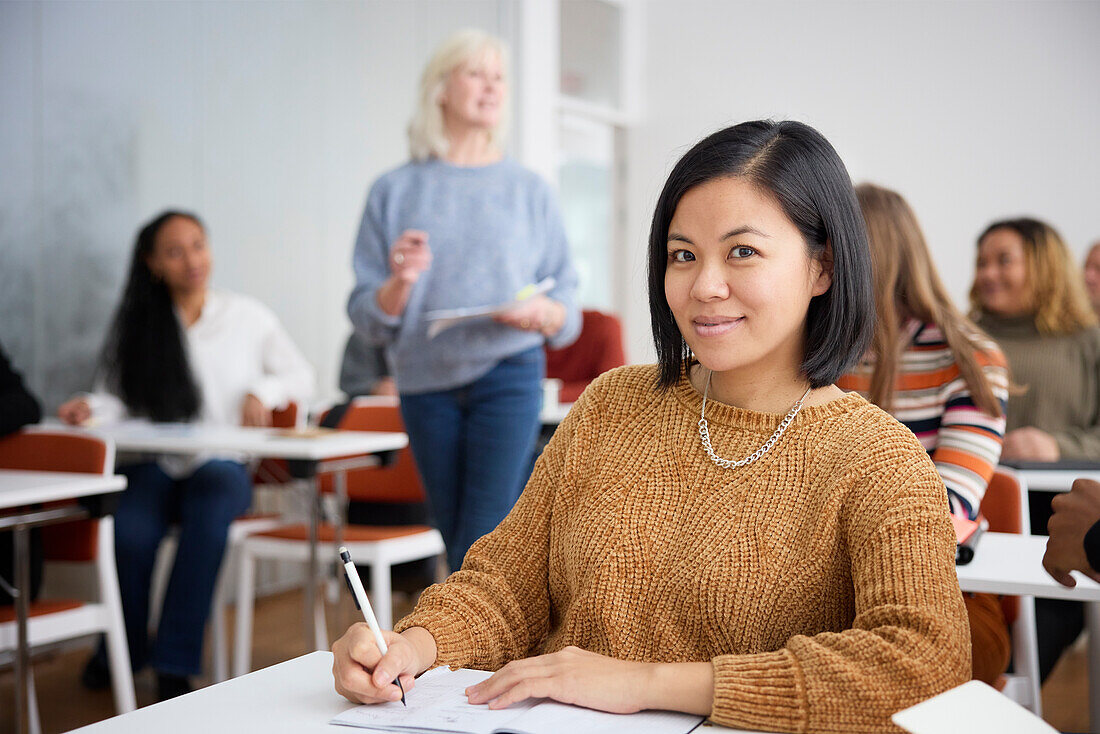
(571, 675)
(538, 313)
(1030, 444)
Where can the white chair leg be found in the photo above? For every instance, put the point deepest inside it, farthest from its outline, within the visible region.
(118, 653)
(34, 723)
(381, 592)
(218, 631)
(242, 643)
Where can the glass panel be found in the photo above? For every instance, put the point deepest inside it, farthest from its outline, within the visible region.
(587, 201)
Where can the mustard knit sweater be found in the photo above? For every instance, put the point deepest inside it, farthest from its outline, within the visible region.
(819, 581)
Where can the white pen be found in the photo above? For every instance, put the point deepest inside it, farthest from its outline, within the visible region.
(361, 601)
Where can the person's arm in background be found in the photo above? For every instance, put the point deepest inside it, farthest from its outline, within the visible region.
(1074, 528)
(1071, 443)
(363, 370)
(18, 407)
(384, 275)
(969, 442)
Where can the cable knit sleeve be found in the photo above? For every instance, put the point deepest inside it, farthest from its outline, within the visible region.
(496, 608)
(909, 639)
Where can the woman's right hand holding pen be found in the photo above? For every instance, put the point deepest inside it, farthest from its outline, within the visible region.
(409, 257)
(363, 675)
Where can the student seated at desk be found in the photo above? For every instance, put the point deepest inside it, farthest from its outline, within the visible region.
(1074, 527)
(181, 351)
(725, 533)
(932, 369)
(1029, 295)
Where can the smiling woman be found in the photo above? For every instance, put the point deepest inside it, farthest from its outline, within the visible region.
(807, 587)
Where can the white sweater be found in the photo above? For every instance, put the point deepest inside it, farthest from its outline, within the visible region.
(236, 347)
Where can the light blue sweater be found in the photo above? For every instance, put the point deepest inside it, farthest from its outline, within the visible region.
(492, 230)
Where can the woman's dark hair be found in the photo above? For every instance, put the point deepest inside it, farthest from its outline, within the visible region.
(796, 165)
(144, 359)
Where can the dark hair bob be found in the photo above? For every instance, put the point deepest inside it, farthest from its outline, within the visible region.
(798, 166)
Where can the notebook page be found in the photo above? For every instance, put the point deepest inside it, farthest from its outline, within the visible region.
(550, 717)
(436, 704)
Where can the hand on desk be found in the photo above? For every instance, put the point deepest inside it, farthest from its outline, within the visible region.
(74, 412)
(362, 675)
(1030, 444)
(595, 681)
(253, 412)
(1074, 513)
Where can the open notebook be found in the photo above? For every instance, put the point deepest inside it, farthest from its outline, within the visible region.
(438, 704)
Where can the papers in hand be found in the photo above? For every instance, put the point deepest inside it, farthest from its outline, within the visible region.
(438, 704)
(443, 319)
(972, 708)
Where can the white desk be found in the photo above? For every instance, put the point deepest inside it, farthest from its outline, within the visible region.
(19, 488)
(296, 697)
(260, 443)
(1005, 563)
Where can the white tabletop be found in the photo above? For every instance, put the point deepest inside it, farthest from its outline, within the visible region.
(189, 438)
(1055, 480)
(552, 415)
(1006, 563)
(29, 487)
(296, 696)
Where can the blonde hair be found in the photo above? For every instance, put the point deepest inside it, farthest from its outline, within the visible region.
(904, 276)
(1057, 286)
(427, 134)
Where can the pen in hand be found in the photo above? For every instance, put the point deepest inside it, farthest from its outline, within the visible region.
(355, 585)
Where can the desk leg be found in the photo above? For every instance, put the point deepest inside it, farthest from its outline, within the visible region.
(20, 536)
(310, 616)
(1092, 623)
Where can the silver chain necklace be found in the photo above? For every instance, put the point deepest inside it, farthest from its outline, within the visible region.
(704, 433)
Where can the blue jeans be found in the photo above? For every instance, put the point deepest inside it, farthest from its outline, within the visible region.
(473, 444)
(202, 505)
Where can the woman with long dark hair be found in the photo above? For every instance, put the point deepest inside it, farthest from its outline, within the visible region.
(935, 371)
(181, 351)
(725, 533)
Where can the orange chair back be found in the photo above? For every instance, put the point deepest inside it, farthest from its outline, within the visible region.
(398, 482)
(65, 452)
(1003, 507)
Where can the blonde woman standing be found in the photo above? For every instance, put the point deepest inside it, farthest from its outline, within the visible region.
(463, 225)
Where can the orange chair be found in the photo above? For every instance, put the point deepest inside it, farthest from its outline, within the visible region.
(380, 547)
(1005, 507)
(80, 541)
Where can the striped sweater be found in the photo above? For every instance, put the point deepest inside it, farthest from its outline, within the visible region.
(933, 401)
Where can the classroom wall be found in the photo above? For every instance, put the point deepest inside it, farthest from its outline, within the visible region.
(973, 110)
(270, 119)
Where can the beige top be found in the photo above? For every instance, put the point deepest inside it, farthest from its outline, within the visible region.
(1060, 374)
(819, 581)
